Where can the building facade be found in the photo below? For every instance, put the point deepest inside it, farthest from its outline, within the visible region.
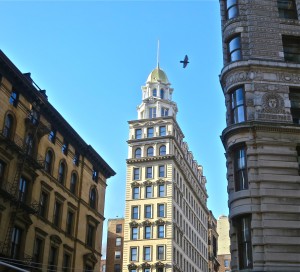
(115, 242)
(261, 85)
(213, 263)
(166, 215)
(224, 256)
(52, 184)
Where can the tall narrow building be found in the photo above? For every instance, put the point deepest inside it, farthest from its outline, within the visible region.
(261, 84)
(166, 215)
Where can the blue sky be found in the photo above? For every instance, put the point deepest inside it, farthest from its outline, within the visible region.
(92, 57)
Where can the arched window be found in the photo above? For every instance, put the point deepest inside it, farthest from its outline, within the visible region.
(93, 196)
(8, 125)
(162, 150)
(48, 161)
(162, 94)
(73, 183)
(150, 151)
(154, 92)
(138, 153)
(61, 172)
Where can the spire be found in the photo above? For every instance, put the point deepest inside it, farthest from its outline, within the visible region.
(158, 54)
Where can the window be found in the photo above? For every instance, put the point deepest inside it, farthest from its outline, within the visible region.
(118, 241)
(161, 190)
(231, 9)
(73, 183)
(150, 151)
(148, 191)
(52, 136)
(53, 258)
(146, 270)
(61, 172)
(295, 105)
(93, 198)
(70, 222)
(136, 173)
(117, 268)
(66, 262)
(119, 228)
(162, 94)
(16, 239)
(57, 213)
(150, 132)
(226, 263)
(234, 49)
(161, 171)
(14, 98)
(147, 232)
(149, 172)
(135, 193)
(8, 126)
(298, 156)
(76, 158)
(291, 48)
(161, 210)
(135, 212)
(2, 169)
(133, 254)
(23, 184)
(240, 169)
(147, 254)
(43, 209)
(138, 133)
(154, 92)
(88, 268)
(34, 117)
(29, 144)
(134, 233)
(160, 231)
(287, 9)
(138, 153)
(152, 112)
(148, 211)
(95, 175)
(162, 150)
(117, 255)
(90, 237)
(38, 251)
(237, 106)
(162, 131)
(48, 161)
(160, 252)
(164, 112)
(64, 148)
(243, 230)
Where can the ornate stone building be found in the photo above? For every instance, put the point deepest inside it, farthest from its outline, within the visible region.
(261, 84)
(166, 215)
(213, 263)
(52, 184)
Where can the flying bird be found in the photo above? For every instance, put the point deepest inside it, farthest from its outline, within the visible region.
(185, 61)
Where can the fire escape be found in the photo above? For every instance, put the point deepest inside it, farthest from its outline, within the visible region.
(16, 191)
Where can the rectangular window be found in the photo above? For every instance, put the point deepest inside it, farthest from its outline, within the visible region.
(234, 49)
(117, 268)
(16, 239)
(149, 172)
(161, 210)
(52, 136)
(243, 230)
(160, 231)
(14, 98)
(161, 171)
(52, 263)
(57, 213)
(295, 105)
(2, 169)
(23, 184)
(117, 255)
(147, 232)
(237, 106)
(65, 148)
(119, 228)
(136, 173)
(138, 133)
(160, 252)
(298, 157)
(231, 9)
(66, 262)
(135, 192)
(226, 263)
(90, 237)
(162, 131)
(135, 212)
(95, 174)
(152, 112)
(164, 112)
(147, 253)
(118, 241)
(287, 9)
(134, 233)
(148, 191)
(240, 169)
(38, 251)
(70, 222)
(133, 254)
(148, 211)
(291, 48)
(161, 190)
(43, 209)
(150, 132)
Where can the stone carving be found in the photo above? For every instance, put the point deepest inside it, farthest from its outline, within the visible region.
(272, 103)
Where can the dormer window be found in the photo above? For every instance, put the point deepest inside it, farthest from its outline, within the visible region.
(154, 92)
(162, 94)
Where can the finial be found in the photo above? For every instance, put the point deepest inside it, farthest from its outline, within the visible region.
(158, 54)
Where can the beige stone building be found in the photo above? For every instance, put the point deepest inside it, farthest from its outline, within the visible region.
(224, 256)
(166, 215)
(114, 245)
(52, 184)
(261, 85)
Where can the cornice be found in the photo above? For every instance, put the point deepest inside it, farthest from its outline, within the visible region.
(148, 159)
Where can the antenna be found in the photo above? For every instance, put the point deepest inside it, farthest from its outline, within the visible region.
(158, 54)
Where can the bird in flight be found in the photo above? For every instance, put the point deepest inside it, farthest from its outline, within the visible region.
(185, 61)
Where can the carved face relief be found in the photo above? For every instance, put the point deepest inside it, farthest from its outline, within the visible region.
(272, 102)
